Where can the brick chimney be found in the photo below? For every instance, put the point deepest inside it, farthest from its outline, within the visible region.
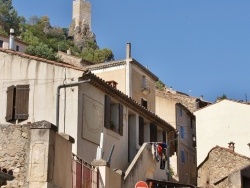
(231, 146)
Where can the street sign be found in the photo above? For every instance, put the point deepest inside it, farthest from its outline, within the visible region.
(141, 184)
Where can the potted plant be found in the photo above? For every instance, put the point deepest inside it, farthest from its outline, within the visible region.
(112, 125)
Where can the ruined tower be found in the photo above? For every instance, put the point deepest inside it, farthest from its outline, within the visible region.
(80, 28)
(81, 13)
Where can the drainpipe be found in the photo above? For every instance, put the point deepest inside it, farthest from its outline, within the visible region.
(58, 96)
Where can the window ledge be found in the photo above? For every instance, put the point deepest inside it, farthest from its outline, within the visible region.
(113, 134)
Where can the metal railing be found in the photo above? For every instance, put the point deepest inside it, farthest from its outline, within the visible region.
(84, 175)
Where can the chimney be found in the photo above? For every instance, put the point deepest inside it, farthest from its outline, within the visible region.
(69, 51)
(12, 40)
(231, 146)
(128, 51)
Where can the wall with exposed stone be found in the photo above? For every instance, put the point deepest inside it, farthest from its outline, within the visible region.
(191, 103)
(14, 149)
(35, 153)
(221, 162)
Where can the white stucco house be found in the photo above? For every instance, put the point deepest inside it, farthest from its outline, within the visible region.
(83, 106)
(221, 123)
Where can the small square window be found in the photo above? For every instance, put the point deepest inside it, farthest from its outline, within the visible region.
(17, 48)
(1, 43)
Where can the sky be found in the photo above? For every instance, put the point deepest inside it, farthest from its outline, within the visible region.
(199, 47)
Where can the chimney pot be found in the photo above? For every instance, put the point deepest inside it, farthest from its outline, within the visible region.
(128, 51)
(231, 146)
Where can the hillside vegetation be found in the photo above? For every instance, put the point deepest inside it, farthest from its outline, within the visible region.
(44, 40)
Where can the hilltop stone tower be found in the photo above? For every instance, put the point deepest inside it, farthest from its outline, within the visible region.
(80, 28)
(81, 13)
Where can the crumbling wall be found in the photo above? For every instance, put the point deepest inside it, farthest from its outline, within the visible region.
(14, 144)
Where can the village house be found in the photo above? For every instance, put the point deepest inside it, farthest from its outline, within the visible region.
(224, 168)
(183, 161)
(17, 44)
(85, 107)
(220, 123)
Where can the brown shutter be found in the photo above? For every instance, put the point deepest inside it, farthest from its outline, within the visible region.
(153, 133)
(120, 119)
(10, 103)
(22, 102)
(107, 115)
(141, 130)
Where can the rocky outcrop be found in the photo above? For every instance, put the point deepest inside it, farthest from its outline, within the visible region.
(81, 34)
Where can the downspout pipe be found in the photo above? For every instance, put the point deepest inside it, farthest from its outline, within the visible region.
(58, 96)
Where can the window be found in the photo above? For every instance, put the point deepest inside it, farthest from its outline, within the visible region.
(141, 130)
(191, 123)
(183, 156)
(17, 103)
(153, 133)
(17, 48)
(164, 135)
(1, 43)
(144, 82)
(144, 103)
(181, 112)
(145, 85)
(182, 132)
(113, 115)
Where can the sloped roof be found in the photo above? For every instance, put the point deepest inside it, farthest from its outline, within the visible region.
(16, 39)
(98, 82)
(230, 100)
(225, 149)
(128, 101)
(27, 56)
(121, 62)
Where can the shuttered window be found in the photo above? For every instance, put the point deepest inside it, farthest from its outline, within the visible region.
(141, 130)
(17, 103)
(164, 136)
(10, 103)
(120, 119)
(107, 113)
(115, 123)
(153, 133)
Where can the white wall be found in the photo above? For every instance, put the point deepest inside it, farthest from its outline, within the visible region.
(221, 123)
(43, 78)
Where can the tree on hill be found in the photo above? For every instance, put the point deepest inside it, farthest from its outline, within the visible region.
(45, 41)
(9, 18)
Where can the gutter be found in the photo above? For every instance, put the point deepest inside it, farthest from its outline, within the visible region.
(58, 96)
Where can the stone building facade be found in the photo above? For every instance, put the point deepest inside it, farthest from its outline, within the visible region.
(219, 165)
(82, 12)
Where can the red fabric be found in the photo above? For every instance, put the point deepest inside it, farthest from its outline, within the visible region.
(159, 149)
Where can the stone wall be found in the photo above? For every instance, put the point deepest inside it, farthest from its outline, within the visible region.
(191, 103)
(14, 144)
(220, 163)
(35, 153)
(186, 100)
